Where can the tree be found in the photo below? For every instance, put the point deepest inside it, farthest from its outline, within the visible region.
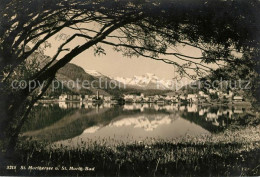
(148, 28)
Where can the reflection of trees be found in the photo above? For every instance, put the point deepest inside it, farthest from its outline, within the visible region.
(53, 123)
(74, 122)
(43, 116)
(222, 121)
(200, 120)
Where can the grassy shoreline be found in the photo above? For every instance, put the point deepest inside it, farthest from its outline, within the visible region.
(233, 152)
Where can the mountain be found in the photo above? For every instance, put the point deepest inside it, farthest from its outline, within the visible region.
(145, 82)
(68, 75)
(94, 73)
(92, 78)
(70, 78)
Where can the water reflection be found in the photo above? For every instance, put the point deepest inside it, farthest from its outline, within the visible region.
(141, 127)
(129, 122)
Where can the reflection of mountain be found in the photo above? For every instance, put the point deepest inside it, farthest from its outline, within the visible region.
(75, 123)
(91, 129)
(53, 123)
(140, 127)
(146, 122)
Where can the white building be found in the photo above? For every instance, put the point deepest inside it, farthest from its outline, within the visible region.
(107, 98)
(168, 98)
(201, 93)
(63, 97)
(238, 98)
(137, 98)
(230, 94)
(183, 97)
(146, 99)
(212, 91)
(192, 97)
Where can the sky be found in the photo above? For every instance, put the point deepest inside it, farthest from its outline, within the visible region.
(114, 64)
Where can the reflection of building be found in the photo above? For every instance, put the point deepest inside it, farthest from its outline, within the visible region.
(62, 105)
(228, 113)
(215, 122)
(107, 98)
(87, 98)
(201, 112)
(107, 105)
(132, 106)
(211, 116)
(169, 107)
(182, 108)
(220, 112)
(192, 108)
(238, 110)
(144, 106)
(74, 104)
(182, 97)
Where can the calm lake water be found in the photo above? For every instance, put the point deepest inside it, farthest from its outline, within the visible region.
(72, 123)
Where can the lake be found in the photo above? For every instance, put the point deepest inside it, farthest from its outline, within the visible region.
(73, 123)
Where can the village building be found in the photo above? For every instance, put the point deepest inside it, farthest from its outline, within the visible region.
(129, 98)
(138, 99)
(238, 98)
(74, 98)
(146, 99)
(107, 98)
(201, 93)
(63, 97)
(160, 101)
(211, 91)
(192, 97)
